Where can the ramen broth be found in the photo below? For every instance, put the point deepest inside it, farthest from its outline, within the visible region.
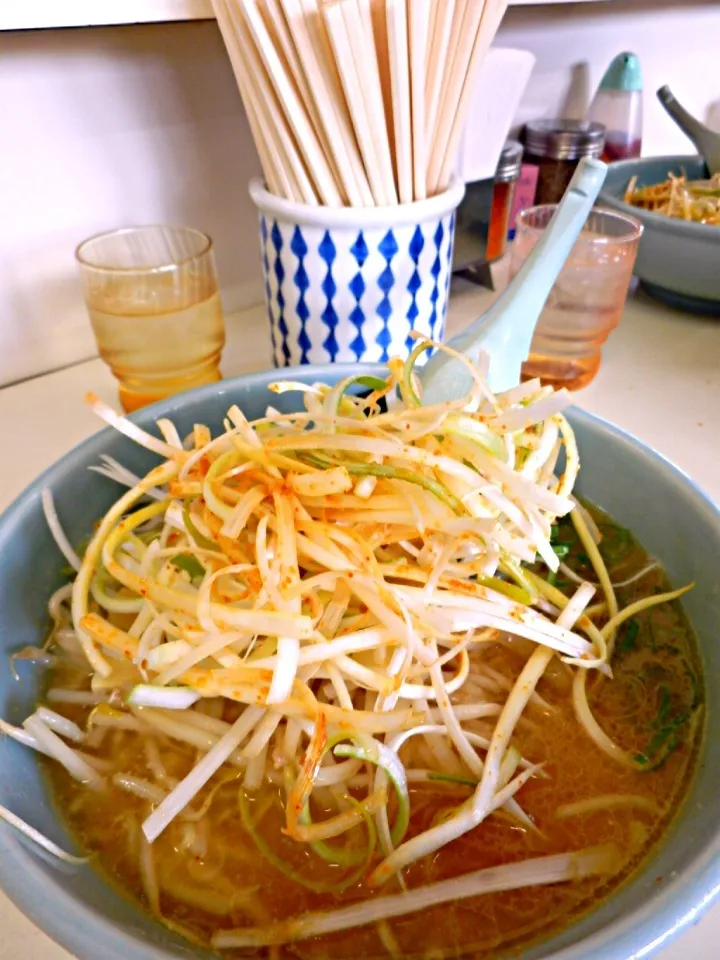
(210, 874)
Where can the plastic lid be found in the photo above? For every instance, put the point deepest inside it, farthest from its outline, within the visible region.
(623, 74)
(508, 167)
(564, 139)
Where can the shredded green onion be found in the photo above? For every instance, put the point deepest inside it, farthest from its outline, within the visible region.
(296, 876)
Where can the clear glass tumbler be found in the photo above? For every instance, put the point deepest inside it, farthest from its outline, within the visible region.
(587, 300)
(154, 304)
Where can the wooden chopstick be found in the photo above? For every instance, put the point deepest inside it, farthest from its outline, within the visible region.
(315, 53)
(437, 62)
(354, 96)
(286, 173)
(419, 13)
(358, 24)
(280, 138)
(282, 37)
(293, 108)
(396, 11)
(458, 53)
(270, 172)
(357, 102)
(378, 18)
(485, 31)
(360, 14)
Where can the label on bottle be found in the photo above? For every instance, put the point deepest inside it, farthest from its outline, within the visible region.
(524, 193)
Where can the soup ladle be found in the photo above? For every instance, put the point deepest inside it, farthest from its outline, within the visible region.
(706, 140)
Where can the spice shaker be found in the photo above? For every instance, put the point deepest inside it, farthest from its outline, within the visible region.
(506, 177)
(617, 105)
(555, 148)
(483, 216)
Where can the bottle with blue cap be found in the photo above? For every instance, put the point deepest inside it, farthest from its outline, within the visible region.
(618, 106)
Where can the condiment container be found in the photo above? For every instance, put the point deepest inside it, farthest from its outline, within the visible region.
(617, 105)
(506, 177)
(349, 284)
(484, 215)
(525, 190)
(555, 147)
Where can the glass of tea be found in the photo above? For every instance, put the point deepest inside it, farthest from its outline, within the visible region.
(587, 300)
(154, 304)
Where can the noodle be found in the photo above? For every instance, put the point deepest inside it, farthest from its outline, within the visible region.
(694, 200)
(341, 633)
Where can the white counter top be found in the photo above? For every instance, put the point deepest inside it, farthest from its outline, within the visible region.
(660, 380)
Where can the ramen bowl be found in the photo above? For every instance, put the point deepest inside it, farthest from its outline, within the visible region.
(87, 915)
(677, 260)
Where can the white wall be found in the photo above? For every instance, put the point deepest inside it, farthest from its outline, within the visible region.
(110, 126)
(677, 43)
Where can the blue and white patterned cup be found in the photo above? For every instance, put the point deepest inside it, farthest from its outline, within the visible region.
(349, 284)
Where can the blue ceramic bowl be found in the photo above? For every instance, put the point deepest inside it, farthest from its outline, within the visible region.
(76, 907)
(677, 261)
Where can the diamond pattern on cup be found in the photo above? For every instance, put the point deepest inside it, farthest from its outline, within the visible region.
(357, 316)
(268, 292)
(359, 251)
(417, 245)
(279, 270)
(435, 270)
(353, 292)
(300, 248)
(328, 252)
(388, 247)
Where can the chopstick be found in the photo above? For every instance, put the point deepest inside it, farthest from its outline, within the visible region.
(281, 162)
(468, 14)
(316, 56)
(419, 11)
(292, 106)
(485, 31)
(400, 86)
(353, 88)
(272, 173)
(357, 102)
(437, 53)
(358, 20)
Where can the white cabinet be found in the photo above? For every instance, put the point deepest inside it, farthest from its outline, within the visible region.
(37, 14)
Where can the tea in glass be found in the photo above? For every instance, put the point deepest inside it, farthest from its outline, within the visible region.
(154, 304)
(588, 298)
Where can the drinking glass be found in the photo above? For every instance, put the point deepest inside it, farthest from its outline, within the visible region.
(154, 304)
(587, 300)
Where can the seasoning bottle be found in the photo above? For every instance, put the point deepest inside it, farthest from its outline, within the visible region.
(555, 147)
(506, 176)
(617, 105)
(525, 190)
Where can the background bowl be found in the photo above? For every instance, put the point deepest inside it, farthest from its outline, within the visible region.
(673, 519)
(677, 261)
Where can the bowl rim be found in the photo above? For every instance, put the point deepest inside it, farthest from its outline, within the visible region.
(671, 225)
(680, 902)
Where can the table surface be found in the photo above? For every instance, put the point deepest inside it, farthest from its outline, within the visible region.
(660, 380)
